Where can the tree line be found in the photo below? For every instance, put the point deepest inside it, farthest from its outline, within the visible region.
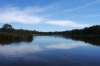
(87, 31)
(93, 30)
(8, 33)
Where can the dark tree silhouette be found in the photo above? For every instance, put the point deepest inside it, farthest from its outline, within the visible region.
(7, 26)
(7, 32)
(87, 31)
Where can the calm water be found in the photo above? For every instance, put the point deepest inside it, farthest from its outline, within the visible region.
(50, 51)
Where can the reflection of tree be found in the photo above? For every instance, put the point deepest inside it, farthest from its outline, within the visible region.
(9, 41)
(94, 40)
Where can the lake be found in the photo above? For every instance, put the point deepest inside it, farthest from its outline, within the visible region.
(51, 51)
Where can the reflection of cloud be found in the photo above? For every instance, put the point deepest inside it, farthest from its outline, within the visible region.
(64, 46)
(21, 49)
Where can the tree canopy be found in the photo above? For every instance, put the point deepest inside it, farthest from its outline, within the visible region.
(7, 26)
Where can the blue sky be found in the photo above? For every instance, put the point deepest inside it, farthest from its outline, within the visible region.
(50, 15)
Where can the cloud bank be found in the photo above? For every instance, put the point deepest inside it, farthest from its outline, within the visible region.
(32, 15)
(14, 14)
(67, 23)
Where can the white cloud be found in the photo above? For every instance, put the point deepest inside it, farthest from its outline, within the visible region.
(67, 23)
(32, 15)
(16, 15)
(37, 15)
(76, 8)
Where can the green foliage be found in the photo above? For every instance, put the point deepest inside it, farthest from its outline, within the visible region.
(93, 30)
(7, 33)
(7, 26)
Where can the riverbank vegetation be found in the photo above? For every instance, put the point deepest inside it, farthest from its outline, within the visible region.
(87, 31)
(8, 33)
(8, 30)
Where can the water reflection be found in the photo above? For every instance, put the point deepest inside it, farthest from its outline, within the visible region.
(19, 49)
(94, 40)
(65, 46)
(31, 48)
(39, 44)
(49, 51)
(42, 43)
(9, 41)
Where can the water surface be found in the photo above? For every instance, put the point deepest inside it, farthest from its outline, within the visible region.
(50, 51)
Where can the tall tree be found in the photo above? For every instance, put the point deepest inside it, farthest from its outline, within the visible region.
(7, 26)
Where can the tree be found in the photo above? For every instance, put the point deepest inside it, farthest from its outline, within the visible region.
(7, 26)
